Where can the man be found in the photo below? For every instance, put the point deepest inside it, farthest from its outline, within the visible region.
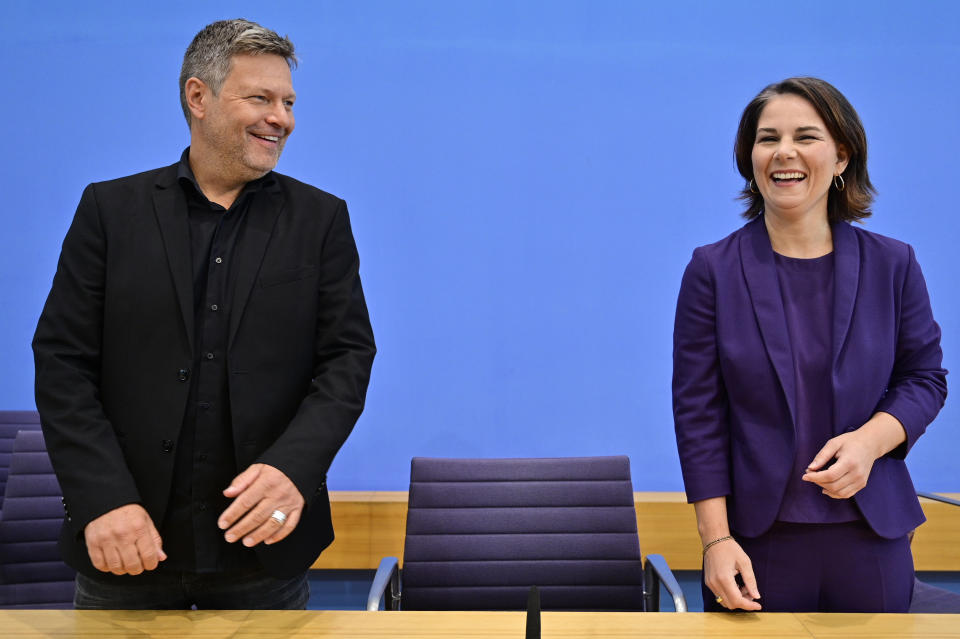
(204, 353)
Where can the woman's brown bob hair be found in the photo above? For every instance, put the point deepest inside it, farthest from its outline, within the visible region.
(843, 123)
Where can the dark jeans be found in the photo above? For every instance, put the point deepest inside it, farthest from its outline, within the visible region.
(184, 590)
(827, 568)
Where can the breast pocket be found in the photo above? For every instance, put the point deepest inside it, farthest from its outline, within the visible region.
(286, 275)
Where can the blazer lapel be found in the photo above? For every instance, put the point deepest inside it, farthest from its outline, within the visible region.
(170, 207)
(760, 273)
(261, 218)
(846, 280)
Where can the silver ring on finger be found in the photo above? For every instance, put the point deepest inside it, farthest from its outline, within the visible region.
(279, 517)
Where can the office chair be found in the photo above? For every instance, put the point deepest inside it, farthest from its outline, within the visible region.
(11, 422)
(933, 599)
(481, 532)
(32, 574)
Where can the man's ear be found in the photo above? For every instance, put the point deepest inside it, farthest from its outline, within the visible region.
(197, 94)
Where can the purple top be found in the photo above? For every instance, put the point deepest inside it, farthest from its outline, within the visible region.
(807, 291)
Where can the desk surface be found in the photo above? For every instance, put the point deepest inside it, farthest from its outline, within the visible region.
(470, 625)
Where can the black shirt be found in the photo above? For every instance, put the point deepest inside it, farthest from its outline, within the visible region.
(205, 462)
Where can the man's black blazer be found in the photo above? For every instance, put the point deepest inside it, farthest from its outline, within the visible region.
(114, 346)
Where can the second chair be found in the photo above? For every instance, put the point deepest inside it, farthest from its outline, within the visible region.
(32, 574)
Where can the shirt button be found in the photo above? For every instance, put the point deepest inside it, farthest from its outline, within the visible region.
(202, 505)
(183, 374)
(214, 308)
(166, 445)
(219, 260)
(205, 405)
(202, 457)
(210, 355)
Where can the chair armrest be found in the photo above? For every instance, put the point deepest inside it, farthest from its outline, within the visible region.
(655, 572)
(946, 500)
(385, 586)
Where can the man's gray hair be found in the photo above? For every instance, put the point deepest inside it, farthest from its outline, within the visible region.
(209, 56)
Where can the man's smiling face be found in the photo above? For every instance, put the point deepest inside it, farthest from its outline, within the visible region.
(246, 126)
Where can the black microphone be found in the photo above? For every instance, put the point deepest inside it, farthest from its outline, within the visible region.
(533, 613)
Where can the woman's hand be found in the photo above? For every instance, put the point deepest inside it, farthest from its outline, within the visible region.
(849, 473)
(722, 562)
(853, 455)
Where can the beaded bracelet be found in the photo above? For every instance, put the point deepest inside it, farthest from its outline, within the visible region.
(715, 542)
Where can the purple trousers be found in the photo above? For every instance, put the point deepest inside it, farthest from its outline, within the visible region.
(827, 568)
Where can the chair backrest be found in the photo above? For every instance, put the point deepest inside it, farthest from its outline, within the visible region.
(32, 574)
(12, 421)
(480, 532)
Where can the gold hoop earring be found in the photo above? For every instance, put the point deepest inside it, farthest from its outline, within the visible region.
(842, 185)
(751, 186)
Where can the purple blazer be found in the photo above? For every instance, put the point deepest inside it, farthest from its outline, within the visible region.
(733, 375)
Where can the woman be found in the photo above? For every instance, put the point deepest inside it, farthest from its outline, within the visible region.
(806, 364)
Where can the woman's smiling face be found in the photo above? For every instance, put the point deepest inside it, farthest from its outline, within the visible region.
(794, 158)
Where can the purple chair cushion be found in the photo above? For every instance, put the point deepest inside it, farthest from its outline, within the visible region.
(32, 574)
(931, 599)
(480, 532)
(11, 422)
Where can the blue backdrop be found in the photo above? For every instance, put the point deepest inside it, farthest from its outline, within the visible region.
(526, 182)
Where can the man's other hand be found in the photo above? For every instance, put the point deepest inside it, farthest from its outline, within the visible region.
(124, 541)
(257, 493)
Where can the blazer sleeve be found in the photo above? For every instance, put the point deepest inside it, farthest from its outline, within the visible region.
(699, 395)
(918, 385)
(81, 441)
(343, 356)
